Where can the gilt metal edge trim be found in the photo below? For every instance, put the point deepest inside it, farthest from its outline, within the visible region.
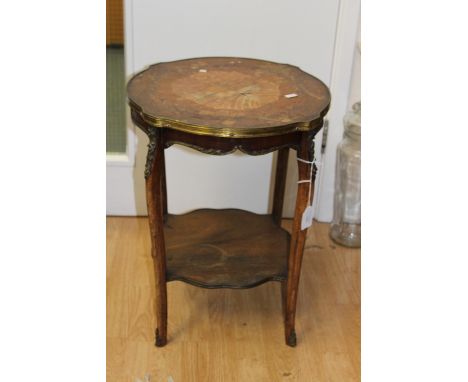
(154, 134)
(226, 132)
(241, 147)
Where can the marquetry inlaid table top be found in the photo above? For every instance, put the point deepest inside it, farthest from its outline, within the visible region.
(229, 97)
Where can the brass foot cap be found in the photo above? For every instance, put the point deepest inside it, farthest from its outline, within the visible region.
(159, 341)
(292, 340)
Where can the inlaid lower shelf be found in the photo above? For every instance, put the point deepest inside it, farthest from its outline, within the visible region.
(225, 248)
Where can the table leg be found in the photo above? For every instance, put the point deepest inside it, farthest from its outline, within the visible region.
(154, 201)
(298, 237)
(280, 184)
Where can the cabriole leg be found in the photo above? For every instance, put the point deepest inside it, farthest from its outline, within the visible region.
(154, 175)
(298, 237)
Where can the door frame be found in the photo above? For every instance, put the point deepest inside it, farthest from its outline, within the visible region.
(120, 166)
(347, 27)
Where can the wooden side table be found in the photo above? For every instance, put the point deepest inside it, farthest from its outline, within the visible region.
(218, 105)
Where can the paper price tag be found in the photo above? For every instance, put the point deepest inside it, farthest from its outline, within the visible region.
(307, 218)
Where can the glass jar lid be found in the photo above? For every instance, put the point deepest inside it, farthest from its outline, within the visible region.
(352, 120)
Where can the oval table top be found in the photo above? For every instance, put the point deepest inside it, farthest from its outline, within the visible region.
(229, 97)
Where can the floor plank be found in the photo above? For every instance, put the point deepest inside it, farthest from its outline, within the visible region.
(232, 335)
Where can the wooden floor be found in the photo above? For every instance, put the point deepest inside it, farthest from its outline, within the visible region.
(231, 335)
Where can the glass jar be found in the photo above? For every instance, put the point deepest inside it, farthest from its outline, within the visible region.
(346, 225)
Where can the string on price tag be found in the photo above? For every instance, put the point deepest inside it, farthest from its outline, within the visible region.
(308, 214)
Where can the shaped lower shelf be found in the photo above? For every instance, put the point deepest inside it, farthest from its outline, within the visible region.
(225, 248)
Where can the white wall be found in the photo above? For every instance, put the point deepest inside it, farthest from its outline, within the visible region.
(299, 32)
